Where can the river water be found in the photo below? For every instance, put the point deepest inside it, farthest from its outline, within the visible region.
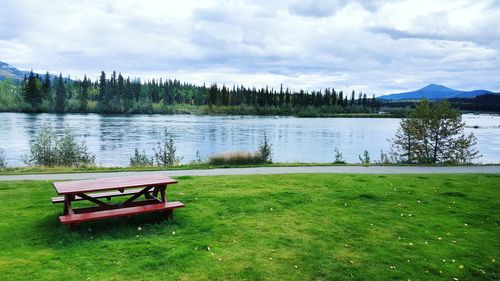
(112, 138)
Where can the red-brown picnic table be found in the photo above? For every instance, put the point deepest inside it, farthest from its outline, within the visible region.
(148, 186)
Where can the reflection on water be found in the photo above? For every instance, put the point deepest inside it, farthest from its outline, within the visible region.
(113, 138)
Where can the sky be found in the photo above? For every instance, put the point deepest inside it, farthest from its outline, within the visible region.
(376, 47)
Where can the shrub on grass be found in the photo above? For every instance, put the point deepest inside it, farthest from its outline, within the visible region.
(365, 160)
(265, 150)
(3, 162)
(434, 133)
(198, 159)
(140, 159)
(236, 158)
(50, 150)
(164, 154)
(339, 158)
(43, 151)
(384, 158)
(71, 153)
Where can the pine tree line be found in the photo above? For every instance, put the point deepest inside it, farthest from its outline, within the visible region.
(118, 94)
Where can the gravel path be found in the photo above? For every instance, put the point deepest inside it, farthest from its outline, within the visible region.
(271, 170)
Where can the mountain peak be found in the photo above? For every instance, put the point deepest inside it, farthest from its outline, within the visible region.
(435, 92)
(7, 70)
(434, 86)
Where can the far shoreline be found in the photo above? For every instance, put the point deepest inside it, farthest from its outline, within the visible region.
(198, 113)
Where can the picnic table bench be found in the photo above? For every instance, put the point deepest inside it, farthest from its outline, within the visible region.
(149, 186)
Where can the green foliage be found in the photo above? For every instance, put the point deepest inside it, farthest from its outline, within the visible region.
(49, 150)
(71, 153)
(3, 162)
(384, 158)
(11, 98)
(434, 133)
(32, 91)
(236, 158)
(339, 158)
(140, 159)
(164, 153)
(43, 151)
(365, 159)
(198, 157)
(84, 95)
(265, 150)
(119, 95)
(267, 227)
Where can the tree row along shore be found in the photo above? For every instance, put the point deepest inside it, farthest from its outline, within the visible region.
(118, 94)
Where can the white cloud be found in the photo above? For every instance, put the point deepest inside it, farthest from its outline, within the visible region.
(371, 46)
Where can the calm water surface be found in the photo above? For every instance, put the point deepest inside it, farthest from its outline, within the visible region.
(113, 138)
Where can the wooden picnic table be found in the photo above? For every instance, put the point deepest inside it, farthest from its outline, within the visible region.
(149, 186)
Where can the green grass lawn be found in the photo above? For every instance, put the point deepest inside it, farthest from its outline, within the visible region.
(274, 227)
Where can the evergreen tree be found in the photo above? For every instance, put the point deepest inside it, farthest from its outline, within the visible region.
(213, 95)
(60, 100)
(46, 86)
(334, 97)
(31, 91)
(224, 95)
(112, 93)
(103, 92)
(120, 93)
(85, 94)
(129, 95)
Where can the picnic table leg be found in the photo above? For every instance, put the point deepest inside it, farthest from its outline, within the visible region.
(168, 213)
(67, 204)
(163, 194)
(68, 210)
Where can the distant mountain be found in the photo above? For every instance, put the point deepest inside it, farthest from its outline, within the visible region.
(435, 92)
(7, 70)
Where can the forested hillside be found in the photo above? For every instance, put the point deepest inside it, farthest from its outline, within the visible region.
(117, 94)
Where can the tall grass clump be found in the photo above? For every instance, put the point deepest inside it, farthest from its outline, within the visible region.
(261, 156)
(235, 158)
(3, 162)
(50, 150)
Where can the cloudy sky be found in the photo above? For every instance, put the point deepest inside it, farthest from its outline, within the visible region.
(377, 46)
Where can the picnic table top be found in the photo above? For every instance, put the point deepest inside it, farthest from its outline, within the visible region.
(83, 186)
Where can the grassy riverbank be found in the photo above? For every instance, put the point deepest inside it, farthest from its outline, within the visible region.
(290, 227)
(97, 169)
